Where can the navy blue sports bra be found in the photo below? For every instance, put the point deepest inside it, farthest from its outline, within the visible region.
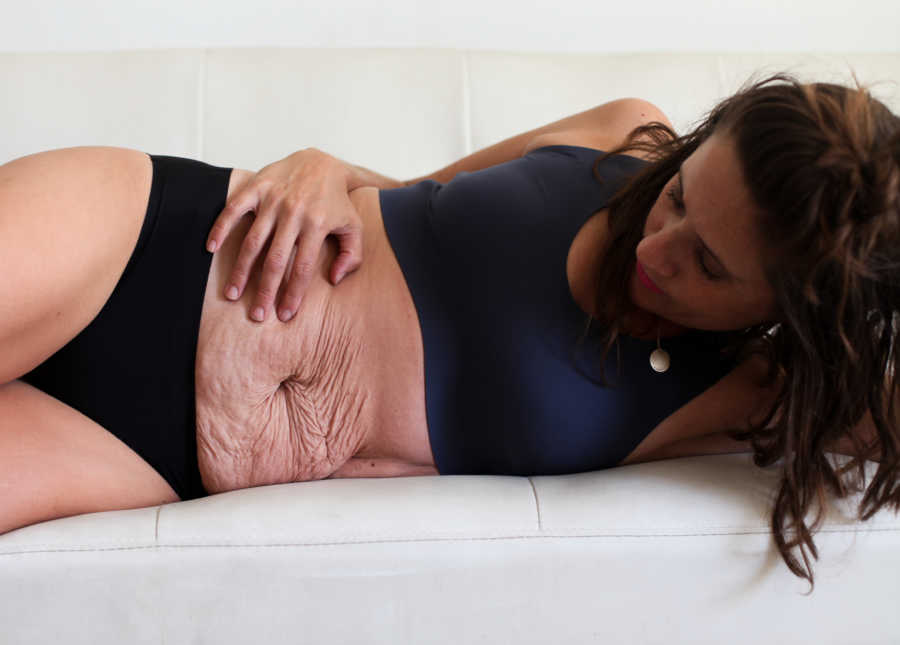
(484, 257)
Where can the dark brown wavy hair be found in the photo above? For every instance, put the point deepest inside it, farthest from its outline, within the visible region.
(822, 163)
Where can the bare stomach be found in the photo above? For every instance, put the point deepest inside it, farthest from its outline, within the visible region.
(338, 391)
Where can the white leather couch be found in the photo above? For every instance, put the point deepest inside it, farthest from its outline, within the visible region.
(671, 551)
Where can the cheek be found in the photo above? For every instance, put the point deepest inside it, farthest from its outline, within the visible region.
(648, 221)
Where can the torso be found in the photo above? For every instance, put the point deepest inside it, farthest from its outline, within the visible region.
(339, 390)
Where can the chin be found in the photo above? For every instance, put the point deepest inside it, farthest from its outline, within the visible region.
(637, 293)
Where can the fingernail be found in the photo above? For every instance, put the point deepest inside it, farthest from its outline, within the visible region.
(232, 292)
(258, 314)
(211, 246)
(285, 315)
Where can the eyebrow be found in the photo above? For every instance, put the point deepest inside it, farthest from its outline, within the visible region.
(708, 250)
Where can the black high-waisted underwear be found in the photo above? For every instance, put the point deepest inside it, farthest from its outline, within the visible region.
(132, 368)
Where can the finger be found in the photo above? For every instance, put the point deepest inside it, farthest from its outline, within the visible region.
(240, 203)
(253, 243)
(273, 269)
(301, 272)
(349, 258)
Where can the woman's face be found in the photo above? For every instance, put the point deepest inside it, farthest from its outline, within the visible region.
(702, 249)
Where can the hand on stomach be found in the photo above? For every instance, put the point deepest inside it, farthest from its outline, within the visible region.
(281, 401)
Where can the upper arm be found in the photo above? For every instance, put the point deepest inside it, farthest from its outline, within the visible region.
(597, 127)
(720, 443)
(733, 402)
(717, 443)
(609, 126)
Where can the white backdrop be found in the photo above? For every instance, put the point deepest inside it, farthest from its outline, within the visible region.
(404, 87)
(530, 25)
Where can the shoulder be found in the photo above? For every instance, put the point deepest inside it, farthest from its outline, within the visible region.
(607, 128)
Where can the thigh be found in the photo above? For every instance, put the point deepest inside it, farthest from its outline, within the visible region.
(69, 221)
(56, 462)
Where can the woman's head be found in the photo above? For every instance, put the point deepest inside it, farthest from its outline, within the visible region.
(703, 246)
(778, 177)
(796, 187)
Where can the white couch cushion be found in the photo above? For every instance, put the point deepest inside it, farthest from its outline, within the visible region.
(632, 554)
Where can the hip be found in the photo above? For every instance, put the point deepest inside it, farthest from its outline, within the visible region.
(131, 368)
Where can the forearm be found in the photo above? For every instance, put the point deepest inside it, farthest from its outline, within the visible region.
(323, 163)
(357, 176)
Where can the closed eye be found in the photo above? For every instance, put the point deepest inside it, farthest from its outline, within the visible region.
(679, 206)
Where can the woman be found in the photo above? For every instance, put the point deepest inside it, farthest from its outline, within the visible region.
(772, 228)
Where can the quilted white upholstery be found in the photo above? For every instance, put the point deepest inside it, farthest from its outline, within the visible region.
(670, 551)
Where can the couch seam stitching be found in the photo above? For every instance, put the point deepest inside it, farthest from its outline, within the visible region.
(569, 531)
(537, 504)
(555, 535)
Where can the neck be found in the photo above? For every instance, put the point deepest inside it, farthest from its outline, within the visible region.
(644, 325)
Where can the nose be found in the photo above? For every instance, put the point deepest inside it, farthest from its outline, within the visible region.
(670, 243)
(654, 252)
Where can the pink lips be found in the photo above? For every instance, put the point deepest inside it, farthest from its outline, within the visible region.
(646, 279)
